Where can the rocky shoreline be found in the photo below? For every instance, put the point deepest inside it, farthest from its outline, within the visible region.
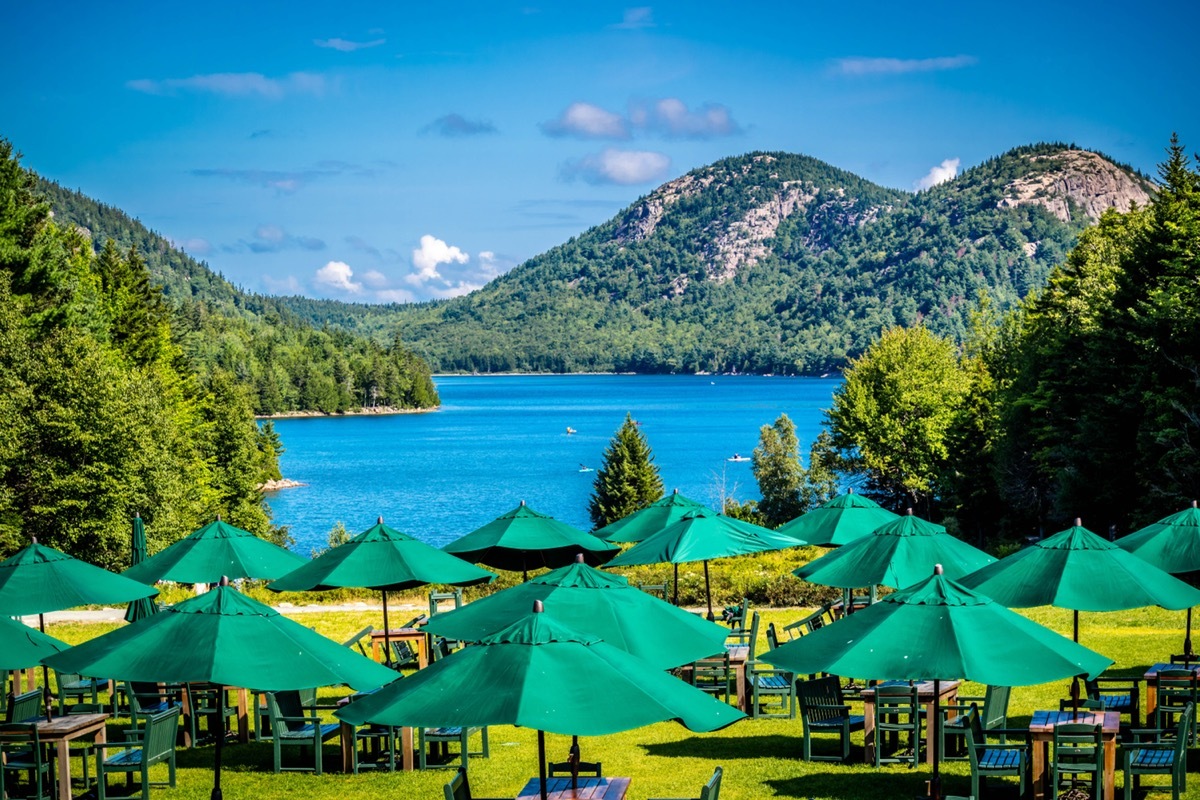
(282, 483)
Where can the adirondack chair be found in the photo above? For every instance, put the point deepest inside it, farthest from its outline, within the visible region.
(823, 710)
(1078, 749)
(25, 707)
(1164, 755)
(459, 788)
(992, 714)
(817, 619)
(989, 760)
(897, 712)
(359, 640)
(291, 727)
(713, 675)
(435, 741)
(156, 745)
(21, 751)
(404, 654)
(768, 682)
(711, 790)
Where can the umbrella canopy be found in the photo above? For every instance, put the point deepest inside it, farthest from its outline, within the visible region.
(137, 554)
(1172, 544)
(701, 535)
(381, 557)
(216, 551)
(1077, 569)
(523, 540)
(650, 520)
(897, 554)
(840, 521)
(937, 629)
(37, 579)
(598, 604)
(22, 646)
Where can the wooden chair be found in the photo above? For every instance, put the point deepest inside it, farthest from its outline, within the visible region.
(735, 617)
(1123, 695)
(155, 745)
(1078, 749)
(663, 590)
(823, 710)
(1163, 755)
(21, 752)
(993, 714)
(1176, 688)
(375, 748)
(404, 654)
(768, 682)
(713, 675)
(438, 740)
(990, 760)
(435, 598)
(459, 788)
(71, 685)
(711, 790)
(359, 640)
(291, 727)
(25, 707)
(897, 713)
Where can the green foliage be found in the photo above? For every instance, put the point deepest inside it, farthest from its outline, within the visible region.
(892, 417)
(338, 535)
(780, 475)
(628, 481)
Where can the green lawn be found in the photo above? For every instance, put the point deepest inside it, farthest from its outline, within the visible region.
(761, 757)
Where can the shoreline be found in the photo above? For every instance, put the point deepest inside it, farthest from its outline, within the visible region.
(361, 412)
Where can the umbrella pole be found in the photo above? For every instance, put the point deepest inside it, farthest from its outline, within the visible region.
(1075, 680)
(387, 633)
(676, 600)
(573, 759)
(542, 761)
(216, 790)
(935, 786)
(708, 594)
(1187, 639)
(46, 696)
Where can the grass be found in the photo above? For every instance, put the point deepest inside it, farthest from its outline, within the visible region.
(760, 757)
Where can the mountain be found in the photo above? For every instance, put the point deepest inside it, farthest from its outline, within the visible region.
(769, 262)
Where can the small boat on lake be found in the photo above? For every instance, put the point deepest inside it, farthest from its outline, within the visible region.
(571, 430)
(583, 468)
(738, 457)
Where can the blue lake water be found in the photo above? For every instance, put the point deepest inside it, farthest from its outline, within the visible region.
(498, 440)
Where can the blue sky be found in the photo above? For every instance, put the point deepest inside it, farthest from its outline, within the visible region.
(404, 151)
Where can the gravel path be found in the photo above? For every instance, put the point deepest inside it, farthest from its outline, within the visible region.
(118, 614)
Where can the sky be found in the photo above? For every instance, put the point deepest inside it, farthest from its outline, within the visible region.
(400, 151)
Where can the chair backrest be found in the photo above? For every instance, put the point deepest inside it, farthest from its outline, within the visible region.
(358, 639)
(712, 789)
(755, 621)
(816, 697)
(158, 734)
(437, 597)
(995, 707)
(284, 704)
(712, 673)
(974, 732)
(663, 590)
(1176, 687)
(1078, 744)
(403, 653)
(772, 636)
(25, 707)
(735, 616)
(892, 700)
(1183, 729)
(581, 768)
(20, 733)
(458, 788)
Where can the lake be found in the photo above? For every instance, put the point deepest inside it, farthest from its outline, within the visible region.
(498, 440)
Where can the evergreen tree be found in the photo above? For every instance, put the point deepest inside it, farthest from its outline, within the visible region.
(628, 481)
(780, 476)
(821, 477)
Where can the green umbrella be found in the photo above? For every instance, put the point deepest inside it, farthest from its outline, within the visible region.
(228, 639)
(22, 646)
(381, 558)
(897, 554)
(702, 535)
(137, 554)
(1173, 545)
(216, 551)
(938, 629)
(840, 521)
(523, 540)
(650, 520)
(539, 673)
(599, 604)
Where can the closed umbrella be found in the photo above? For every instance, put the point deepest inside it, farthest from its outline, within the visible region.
(939, 630)
(523, 540)
(650, 520)
(381, 558)
(1173, 545)
(137, 554)
(539, 673)
(218, 550)
(702, 535)
(228, 639)
(840, 521)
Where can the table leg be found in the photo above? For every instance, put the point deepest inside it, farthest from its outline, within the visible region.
(185, 713)
(348, 748)
(422, 651)
(1151, 701)
(743, 696)
(1040, 747)
(1110, 766)
(63, 750)
(869, 731)
(406, 749)
(243, 716)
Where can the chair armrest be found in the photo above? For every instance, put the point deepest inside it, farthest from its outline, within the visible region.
(129, 745)
(1022, 733)
(1137, 733)
(307, 718)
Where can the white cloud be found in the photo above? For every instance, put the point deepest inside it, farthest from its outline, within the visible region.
(395, 296)
(374, 279)
(940, 174)
(587, 121)
(235, 84)
(900, 66)
(670, 117)
(455, 290)
(337, 275)
(621, 167)
(347, 46)
(636, 18)
(432, 252)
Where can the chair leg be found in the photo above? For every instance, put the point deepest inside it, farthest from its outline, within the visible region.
(317, 753)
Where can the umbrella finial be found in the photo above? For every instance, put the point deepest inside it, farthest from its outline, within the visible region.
(1193, 504)
(677, 492)
(218, 517)
(522, 502)
(908, 512)
(380, 519)
(937, 569)
(579, 558)
(1078, 522)
(137, 515)
(224, 580)
(538, 608)
(850, 490)
(33, 540)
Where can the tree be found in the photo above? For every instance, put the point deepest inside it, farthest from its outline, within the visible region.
(780, 476)
(891, 418)
(628, 481)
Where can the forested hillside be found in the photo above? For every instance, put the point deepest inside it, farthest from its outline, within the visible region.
(287, 363)
(769, 262)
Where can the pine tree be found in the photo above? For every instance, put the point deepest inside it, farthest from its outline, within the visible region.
(628, 481)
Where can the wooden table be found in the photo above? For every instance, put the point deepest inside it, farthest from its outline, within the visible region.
(586, 789)
(243, 711)
(1152, 683)
(1041, 733)
(414, 635)
(350, 743)
(64, 730)
(947, 695)
(738, 655)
